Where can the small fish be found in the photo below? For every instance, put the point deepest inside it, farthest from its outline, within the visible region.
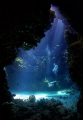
(57, 45)
(53, 57)
(19, 84)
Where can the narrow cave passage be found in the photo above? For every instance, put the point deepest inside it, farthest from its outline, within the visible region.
(43, 70)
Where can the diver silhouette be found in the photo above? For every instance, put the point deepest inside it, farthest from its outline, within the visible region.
(55, 69)
(51, 84)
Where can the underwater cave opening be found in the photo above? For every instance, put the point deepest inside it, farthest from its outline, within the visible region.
(43, 71)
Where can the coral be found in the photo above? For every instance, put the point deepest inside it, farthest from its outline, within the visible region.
(46, 80)
(32, 98)
(76, 62)
(7, 109)
(76, 65)
(43, 109)
(80, 105)
(21, 63)
(20, 60)
(61, 110)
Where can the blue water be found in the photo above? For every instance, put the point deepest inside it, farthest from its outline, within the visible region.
(33, 70)
(43, 71)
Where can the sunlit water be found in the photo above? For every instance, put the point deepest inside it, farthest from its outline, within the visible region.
(34, 73)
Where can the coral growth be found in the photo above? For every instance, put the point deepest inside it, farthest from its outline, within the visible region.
(75, 56)
(41, 110)
(32, 98)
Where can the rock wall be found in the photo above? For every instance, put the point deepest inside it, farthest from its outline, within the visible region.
(73, 11)
(22, 24)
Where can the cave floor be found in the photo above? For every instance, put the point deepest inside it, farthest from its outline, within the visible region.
(67, 97)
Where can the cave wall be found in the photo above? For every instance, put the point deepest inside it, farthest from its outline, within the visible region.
(22, 24)
(72, 10)
(76, 64)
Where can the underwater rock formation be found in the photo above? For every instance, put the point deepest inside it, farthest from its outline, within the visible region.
(32, 98)
(5, 95)
(72, 11)
(75, 56)
(21, 25)
(40, 110)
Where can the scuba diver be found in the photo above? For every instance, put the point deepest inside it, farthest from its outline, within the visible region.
(55, 69)
(51, 84)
